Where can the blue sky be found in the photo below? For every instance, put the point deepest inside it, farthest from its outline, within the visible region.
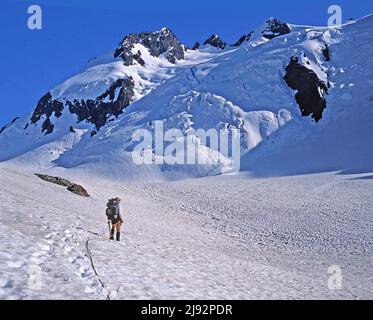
(33, 62)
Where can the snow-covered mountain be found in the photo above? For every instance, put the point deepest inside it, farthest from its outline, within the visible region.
(302, 97)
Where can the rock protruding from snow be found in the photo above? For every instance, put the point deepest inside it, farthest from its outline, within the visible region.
(311, 90)
(72, 187)
(111, 103)
(275, 28)
(216, 42)
(326, 53)
(46, 107)
(55, 180)
(158, 43)
(94, 111)
(196, 46)
(47, 126)
(243, 39)
(79, 190)
(7, 125)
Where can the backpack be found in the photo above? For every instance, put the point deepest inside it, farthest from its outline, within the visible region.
(111, 212)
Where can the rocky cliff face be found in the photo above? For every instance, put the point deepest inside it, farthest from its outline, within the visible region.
(311, 90)
(158, 43)
(95, 111)
(46, 107)
(110, 103)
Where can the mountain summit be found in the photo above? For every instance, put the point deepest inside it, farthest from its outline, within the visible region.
(275, 28)
(216, 42)
(162, 42)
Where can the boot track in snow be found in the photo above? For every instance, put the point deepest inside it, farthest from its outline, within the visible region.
(89, 253)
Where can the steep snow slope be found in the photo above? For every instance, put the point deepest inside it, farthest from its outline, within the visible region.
(299, 95)
(216, 238)
(341, 141)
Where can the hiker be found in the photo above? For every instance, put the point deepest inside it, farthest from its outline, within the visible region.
(114, 216)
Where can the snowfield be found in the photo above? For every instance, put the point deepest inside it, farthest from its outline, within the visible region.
(226, 237)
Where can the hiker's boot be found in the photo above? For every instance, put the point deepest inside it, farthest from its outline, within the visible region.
(112, 234)
(118, 236)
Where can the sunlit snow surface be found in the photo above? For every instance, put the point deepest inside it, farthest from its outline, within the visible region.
(213, 238)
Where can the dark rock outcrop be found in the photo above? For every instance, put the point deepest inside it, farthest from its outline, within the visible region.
(216, 42)
(14, 120)
(243, 39)
(275, 28)
(96, 111)
(56, 180)
(326, 53)
(79, 190)
(47, 126)
(46, 107)
(311, 90)
(109, 104)
(72, 187)
(196, 46)
(157, 43)
(7, 125)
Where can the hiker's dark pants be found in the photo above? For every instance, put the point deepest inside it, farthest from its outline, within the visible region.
(116, 228)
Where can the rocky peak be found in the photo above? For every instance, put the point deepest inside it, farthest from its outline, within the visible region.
(216, 42)
(243, 39)
(158, 43)
(275, 28)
